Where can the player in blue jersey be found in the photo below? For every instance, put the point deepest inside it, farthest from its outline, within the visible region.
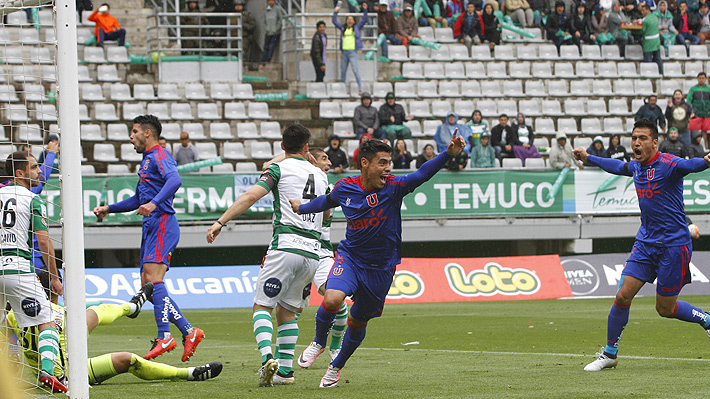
(663, 248)
(372, 248)
(157, 184)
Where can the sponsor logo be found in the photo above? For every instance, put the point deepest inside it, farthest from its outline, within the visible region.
(31, 307)
(647, 192)
(272, 287)
(169, 311)
(307, 291)
(582, 277)
(367, 222)
(372, 200)
(405, 284)
(493, 279)
(700, 315)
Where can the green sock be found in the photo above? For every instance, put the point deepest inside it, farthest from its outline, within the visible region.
(48, 344)
(108, 313)
(286, 342)
(263, 331)
(147, 370)
(341, 321)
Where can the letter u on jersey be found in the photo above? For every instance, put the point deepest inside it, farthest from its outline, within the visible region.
(650, 173)
(372, 200)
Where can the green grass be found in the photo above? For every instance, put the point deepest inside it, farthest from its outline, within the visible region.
(511, 349)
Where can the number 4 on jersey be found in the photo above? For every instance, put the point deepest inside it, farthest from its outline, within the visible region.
(309, 191)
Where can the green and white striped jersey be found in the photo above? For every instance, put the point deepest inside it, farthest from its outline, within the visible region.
(22, 213)
(295, 178)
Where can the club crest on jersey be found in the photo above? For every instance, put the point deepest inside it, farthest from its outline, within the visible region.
(147, 162)
(372, 200)
(347, 202)
(337, 271)
(650, 173)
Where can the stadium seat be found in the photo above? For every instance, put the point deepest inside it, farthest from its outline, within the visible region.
(276, 148)
(429, 127)
(545, 126)
(94, 55)
(85, 18)
(261, 150)
(404, 90)
(634, 52)
(196, 92)
(316, 90)
(496, 70)
(626, 140)
(420, 109)
(548, 52)
(168, 92)
(270, 130)
(117, 169)
(207, 111)
(415, 127)
(16, 113)
(12, 55)
(84, 113)
(337, 90)
(5, 39)
(105, 112)
(41, 55)
(541, 142)
(449, 89)
(83, 34)
(182, 111)
(637, 103)
(434, 70)
(418, 53)
(672, 70)
(144, 92)
(591, 126)
(649, 70)
(536, 163)
(105, 153)
(488, 108)
(91, 132)
(503, 53)
(411, 70)
(602, 88)
(329, 109)
(206, 150)
(171, 131)
(508, 107)
(535, 88)
(613, 126)
(34, 92)
(624, 87)
(120, 92)
(117, 132)
(439, 108)
(350, 146)
(542, 70)
(117, 55)
(258, 110)
(247, 130)
(397, 53)
(459, 52)
(527, 52)
(234, 151)
(92, 92)
(512, 163)
(627, 70)
(48, 112)
(618, 107)
(693, 68)
(348, 108)
(491, 88)
(583, 142)
(88, 170)
(344, 129)
(49, 74)
(158, 109)
(455, 70)
(220, 91)
(585, 69)
(481, 53)
(441, 54)
(243, 91)
(131, 110)
(607, 70)
(129, 154)
(29, 36)
(463, 108)
(596, 108)
(444, 35)
(31, 133)
(530, 108)
(568, 126)
(195, 130)
(235, 111)
(426, 33)
(557, 88)
(643, 87)
(423, 143)
(245, 167)
(698, 52)
(513, 88)
(580, 88)
(475, 70)
(23, 74)
(570, 52)
(427, 89)
(564, 70)
(107, 73)
(591, 52)
(668, 86)
(520, 70)
(223, 168)
(470, 89)
(678, 52)
(611, 53)
(221, 131)
(8, 94)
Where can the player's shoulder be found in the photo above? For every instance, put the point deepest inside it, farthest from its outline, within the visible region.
(352, 182)
(668, 159)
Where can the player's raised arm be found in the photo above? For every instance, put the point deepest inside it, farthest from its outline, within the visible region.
(692, 165)
(244, 202)
(610, 165)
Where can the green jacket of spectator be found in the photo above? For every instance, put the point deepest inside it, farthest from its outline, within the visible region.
(699, 98)
(483, 157)
(649, 30)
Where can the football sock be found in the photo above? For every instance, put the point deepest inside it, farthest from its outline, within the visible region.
(160, 293)
(297, 315)
(618, 318)
(286, 345)
(108, 313)
(263, 331)
(324, 322)
(352, 339)
(687, 312)
(341, 320)
(48, 344)
(147, 370)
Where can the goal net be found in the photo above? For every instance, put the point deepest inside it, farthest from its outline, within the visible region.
(39, 115)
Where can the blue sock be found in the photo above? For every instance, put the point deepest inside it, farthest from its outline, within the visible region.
(324, 322)
(618, 318)
(687, 312)
(352, 339)
(166, 311)
(177, 318)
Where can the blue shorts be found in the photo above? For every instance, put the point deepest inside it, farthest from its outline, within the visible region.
(369, 287)
(669, 264)
(160, 237)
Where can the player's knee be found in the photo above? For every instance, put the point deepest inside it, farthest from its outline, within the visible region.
(121, 361)
(356, 324)
(622, 299)
(665, 309)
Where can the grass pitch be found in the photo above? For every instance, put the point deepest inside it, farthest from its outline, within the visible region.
(510, 349)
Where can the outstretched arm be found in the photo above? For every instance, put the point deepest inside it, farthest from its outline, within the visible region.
(610, 165)
(320, 204)
(244, 202)
(693, 165)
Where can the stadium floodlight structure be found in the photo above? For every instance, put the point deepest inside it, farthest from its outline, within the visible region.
(65, 92)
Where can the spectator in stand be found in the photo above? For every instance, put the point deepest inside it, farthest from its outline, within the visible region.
(491, 26)
(350, 43)
(356, 160)
(407, 25)
(581, 27)
(666, 29)
(248, 29)
(483, 155)
(107, 26)
(557, 28)
(401, 158)
(81, 6)
(478, 126)
(596, 148)
(468, 28)
(392, 119)
(195, 30)
(437, 11)
(600, 26)
(699, 99)
(678, 114)
(704, 32)
(163, 143)
(272, 29)
(541, 9)
(387, 25)
(651, 111)
(526, 137)
(396, 6)
(503, 138)
(651, 38)
(561, 155)
(454, 8)
(616, 150)
(695, 149)
(687, 24)
(338, 158)
(520, 12)
(457, 162)
(446, 130)
(427, 154)
(366, 119)
(616, 19)
(319, 44)
(631, 10)
(186, 153)
(671, 145)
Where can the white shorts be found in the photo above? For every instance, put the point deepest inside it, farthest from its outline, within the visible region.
(27, 298)
(284, 279)
(324, 266)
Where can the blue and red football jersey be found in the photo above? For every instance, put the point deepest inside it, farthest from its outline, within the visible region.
(156, 167)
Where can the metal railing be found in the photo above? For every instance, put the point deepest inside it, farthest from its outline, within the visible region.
(194, 33)
(296, 38)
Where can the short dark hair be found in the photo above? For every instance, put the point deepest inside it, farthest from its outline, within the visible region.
(17, 160)
(370, 148)
(105, 4)
(295, 137)
(702, 74)
(316, 152)
(162, 138)
(653, 96)
(319, 23)
(647, 124)
(503, 115)
(149, 122)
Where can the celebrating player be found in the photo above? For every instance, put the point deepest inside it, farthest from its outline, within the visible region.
(663, 247)
(25, 215)
(287, 270)
(103, 367)
(372, 248)
(157, 184)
